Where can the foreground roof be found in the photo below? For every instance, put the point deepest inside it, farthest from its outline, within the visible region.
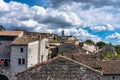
(57, 58)
(87, 59)
(108, 67)
(10, 33)
(111, 67)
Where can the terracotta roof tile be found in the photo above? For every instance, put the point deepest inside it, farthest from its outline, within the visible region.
(10, 33)
(110, 67)
(24, 40)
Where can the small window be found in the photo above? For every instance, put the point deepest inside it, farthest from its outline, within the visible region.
(23, 61)
(41, 57)
(21, 49)
(19, 61)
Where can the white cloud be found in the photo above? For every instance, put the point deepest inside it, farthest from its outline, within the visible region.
(3, 6)
(102, 28)
(110, 27)
(98, 28)
(81, 34)
(68, 15)
(30, 23)
(114, 36)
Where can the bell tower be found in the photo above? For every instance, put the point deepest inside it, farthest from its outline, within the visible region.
(63, 33)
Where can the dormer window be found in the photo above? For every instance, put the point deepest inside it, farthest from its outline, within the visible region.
(21, 49)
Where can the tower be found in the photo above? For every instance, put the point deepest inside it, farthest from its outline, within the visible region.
(63, 33)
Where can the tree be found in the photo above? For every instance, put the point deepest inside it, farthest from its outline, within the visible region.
(101, 44)
(2, 28)
(117, 49)
(89, 42)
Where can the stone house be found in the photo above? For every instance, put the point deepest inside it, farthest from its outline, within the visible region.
(108, 48)
(59, 68)
(19, 51)
(27, 51)
(90, 47)
(6, 37)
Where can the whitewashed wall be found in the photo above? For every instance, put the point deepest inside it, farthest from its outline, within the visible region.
(32, 55)
(15, 55)
(43, 49)
(91, 48)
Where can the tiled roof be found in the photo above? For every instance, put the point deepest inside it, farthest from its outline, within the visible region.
(54, 41)
(55, 58)
(110, 67)
(10, 33)
(87, 59)
(24, 40)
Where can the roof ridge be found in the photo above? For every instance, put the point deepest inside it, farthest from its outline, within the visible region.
(53, 59)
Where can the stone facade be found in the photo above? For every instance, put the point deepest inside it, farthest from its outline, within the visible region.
(33, 53)
(67, 47)
(5, 49)
(90, 47)
(59, 68)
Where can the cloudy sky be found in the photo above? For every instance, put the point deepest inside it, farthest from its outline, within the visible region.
(98, 20)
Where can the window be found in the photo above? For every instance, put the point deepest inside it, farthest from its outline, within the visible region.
(21, 61)
(21, 49)
(41, 57)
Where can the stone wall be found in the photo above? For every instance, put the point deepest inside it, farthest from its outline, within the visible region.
(59, 68)
(32, 55)
(5, 49)
(67, 47)
(90, 47)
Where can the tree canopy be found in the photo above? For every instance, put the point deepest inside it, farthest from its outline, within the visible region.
(101, 44)
(89, 42)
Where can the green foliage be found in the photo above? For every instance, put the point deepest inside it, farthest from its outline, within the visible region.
(56, 38)
(89, 42)
(101, 44)
(117, 49)
(110, 56)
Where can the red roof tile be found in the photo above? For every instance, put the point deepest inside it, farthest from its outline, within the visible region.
(10, 33)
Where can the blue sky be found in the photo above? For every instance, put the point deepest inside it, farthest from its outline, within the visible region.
(97, 20)
(31, 2)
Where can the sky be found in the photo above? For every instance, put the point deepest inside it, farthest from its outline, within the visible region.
(98, 20)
